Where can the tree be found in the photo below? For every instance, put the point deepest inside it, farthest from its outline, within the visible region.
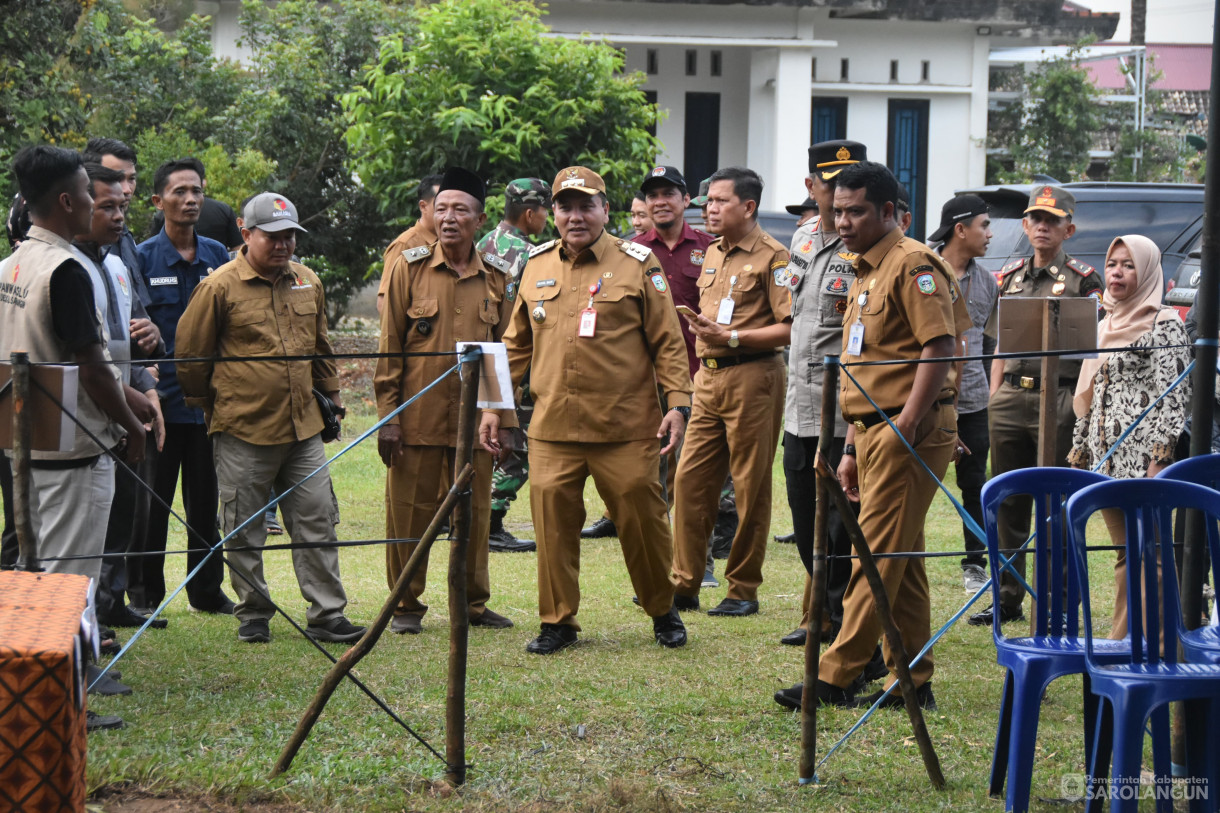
(475, 83)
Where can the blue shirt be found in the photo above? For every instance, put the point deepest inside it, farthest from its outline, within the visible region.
(171, 280)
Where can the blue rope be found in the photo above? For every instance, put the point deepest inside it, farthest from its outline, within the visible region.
(474, 353)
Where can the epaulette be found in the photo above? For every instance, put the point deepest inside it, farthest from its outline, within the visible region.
(498, 263)
(639, 252)
(1012, 266)
(543, 247)
(1083, 269)
(416, 254)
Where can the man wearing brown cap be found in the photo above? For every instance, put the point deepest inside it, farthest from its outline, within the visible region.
(439, 295)
(596, 329)
(262, 416)
(1016, 383)
(742, 322)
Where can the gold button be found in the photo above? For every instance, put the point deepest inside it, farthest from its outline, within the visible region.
(573, 289)
(571, 313)
(569, 340)
(457, 310)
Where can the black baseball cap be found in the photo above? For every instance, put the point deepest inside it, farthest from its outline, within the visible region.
(663, 175)
(799, 209)
(957, 210)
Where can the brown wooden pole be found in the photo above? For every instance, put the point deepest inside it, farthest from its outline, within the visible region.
(459, 616)
(869, 566)
(813, 639)
(27, 541)
(362, 647)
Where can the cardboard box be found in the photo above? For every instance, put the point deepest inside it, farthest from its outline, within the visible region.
(1020, 320)
(53, 430)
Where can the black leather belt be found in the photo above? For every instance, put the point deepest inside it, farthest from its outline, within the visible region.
(1029, 382)
(869, 421)
(731, 361)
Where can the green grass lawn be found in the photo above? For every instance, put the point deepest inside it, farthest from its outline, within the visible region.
(616, 723)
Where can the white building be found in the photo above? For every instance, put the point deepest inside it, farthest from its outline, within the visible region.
(754, 83)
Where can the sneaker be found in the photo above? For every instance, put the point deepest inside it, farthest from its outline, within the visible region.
(974, 578)
(102, 722)
(710, 580)
(551, 639)
(338, 630)
(983, 618)
(254, 631)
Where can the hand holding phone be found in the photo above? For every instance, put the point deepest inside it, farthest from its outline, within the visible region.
(687, 312)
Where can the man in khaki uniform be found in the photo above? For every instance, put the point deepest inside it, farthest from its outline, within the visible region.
(1016, 384)
(422, 233)
(745, 317)
(439, 295)
(596, 329)
(903, 304)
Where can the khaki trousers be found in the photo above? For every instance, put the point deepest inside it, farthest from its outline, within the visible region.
(68, 512)
(415, 486)
(1117, 527)
(245, 473)
(627, 475)
(895, 493)
(734, 427)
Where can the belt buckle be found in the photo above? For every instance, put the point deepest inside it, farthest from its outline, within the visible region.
(711, 363)
(1027, 382)
(860, 427)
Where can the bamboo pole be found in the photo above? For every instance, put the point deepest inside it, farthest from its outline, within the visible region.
(459, 615)
(27, 541)
(930, 760)
(348, 661)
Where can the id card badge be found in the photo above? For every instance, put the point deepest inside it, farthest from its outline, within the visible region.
(725, 315)
(855, 339)
(588, 323)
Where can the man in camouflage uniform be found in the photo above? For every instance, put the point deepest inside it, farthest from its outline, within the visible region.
(506, 247)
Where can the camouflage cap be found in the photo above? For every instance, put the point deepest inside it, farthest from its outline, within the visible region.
(701, 198)
(529, 191)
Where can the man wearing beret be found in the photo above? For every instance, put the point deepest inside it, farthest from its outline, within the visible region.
(596, 329)
(439, 295)
(262, 416)
(1016, 383)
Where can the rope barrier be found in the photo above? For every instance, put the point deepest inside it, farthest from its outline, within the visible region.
(223, 359)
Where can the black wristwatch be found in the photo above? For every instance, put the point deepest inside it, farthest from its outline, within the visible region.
(683, 411)
(849, 449)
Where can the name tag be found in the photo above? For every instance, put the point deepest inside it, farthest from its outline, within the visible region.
(588, 323)
(855, 339)
(163, 281)
(725, 315)
(545, 283)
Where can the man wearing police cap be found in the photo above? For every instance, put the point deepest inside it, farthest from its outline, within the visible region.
(506, 247)
(820, 275)
(440, 294)
(1016, 383)
(596, 329)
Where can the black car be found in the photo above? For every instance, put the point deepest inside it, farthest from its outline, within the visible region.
(1171, 215)
(779, 225)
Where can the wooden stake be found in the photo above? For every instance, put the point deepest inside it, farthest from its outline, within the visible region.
(27, 542)
(869, 566)
(1048, 403)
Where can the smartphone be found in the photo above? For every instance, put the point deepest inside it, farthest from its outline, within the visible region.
(687, 312)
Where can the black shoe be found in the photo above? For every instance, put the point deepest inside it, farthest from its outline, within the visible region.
(686, 603)
(406, 625)
(983, 617)
(553, 638)
(490, 619)
(106, 686)
(254, 631)
(786, 539)
(734, 607)
(827, 694)
(503, 541)
(873, 671)
(336, 631)
(102, 722)
(602, 529)
(125, 617)
(927, 701)
(795, 638)
(669, 629)
(222, 605)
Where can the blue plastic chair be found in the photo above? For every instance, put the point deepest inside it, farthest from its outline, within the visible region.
(1201, 645)
(1151, 677)
(1055, 649)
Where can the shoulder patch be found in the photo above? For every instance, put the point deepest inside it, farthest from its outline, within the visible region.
(498, 263)
(416, 254)
(1084, 269)
(538, 249)
(921, 269)
(926, 283)
(1012, 266)
(634, 250)
(658, 280)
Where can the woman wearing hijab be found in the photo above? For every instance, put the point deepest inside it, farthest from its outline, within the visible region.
(1149, 352)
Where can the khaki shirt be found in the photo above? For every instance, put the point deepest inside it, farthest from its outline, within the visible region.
(911, 298)
(599, 389)
(1065, 276)
(236, 312)
(420, 234)
(746, 273)
(428, 309)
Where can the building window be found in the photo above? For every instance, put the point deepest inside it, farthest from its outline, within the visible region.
(715, 66)
(829, 119)
(925, 69)
(843, 70)
(893, 70)
(651, 62)
(813, 70)
(650, 96)
(692, 62)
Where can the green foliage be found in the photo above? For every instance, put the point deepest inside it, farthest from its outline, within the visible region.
(474, 83)
(1153, 153)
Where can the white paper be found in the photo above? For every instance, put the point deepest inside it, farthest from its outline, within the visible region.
(495, 384)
